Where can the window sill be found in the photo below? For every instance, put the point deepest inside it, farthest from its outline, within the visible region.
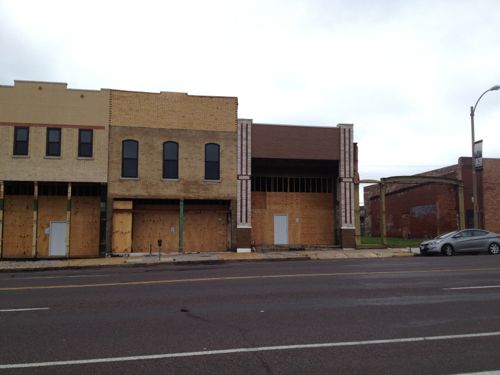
(20, 156)
(52, 157)
(129, 178)
(85, 158)
(170, 179)
(212, 181)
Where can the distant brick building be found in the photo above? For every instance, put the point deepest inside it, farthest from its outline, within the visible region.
(425, 210)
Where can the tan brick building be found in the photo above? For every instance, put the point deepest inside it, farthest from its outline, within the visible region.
(177, 185)
(53, 169)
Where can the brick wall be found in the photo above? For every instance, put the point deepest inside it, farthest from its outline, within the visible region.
(491, 194)
(39, 105)
(173, 111)
(191, 183)
(419, 212)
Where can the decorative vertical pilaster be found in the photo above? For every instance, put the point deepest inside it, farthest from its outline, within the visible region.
(244, 185)
(346, 174)
(346, 185)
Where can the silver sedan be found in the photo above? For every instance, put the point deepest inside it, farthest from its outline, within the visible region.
(462, 240)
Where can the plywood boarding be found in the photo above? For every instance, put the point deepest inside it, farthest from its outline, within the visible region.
(18, 226)
(85, 216)
(155, 223)
(310, 217)
(206, 230)
(122, 205)
(122, 232)
(50, 208)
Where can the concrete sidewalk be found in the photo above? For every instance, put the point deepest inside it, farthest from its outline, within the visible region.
(201, 258)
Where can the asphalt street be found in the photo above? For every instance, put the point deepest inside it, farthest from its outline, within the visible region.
(415, 315)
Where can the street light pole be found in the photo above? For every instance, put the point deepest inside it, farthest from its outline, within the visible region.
(474, 181)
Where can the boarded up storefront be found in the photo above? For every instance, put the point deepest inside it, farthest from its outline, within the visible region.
(309, 216)
(45, 220)
(18, 224)
(139, 225)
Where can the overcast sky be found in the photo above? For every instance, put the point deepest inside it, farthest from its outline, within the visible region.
(405, 73)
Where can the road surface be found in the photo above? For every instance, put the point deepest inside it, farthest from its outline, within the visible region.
(420, 315)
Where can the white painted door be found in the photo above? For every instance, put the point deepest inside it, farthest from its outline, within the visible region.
(281, 229)
(57, 239)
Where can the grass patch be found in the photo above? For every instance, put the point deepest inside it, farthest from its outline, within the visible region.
(391, 241)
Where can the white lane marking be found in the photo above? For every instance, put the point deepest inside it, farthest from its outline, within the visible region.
(25, 309)
(494, 372)
(55, 277)
(245, 350)
(474, 287)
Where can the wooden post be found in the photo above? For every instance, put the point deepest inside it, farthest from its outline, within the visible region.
(461, 207)
(357, 222)
(383, 228)
(2, 194)
(181, 225)
(68, 220)
(35, 220)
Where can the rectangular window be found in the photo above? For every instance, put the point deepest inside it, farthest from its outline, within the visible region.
(21, 140)
(170, 160)
(130, 158)
(85, 139)
(53, 142)
(212, 161)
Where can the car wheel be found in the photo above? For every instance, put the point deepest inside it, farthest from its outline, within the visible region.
(447, 250)
(494, 248)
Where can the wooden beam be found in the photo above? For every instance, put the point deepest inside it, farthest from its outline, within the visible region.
(383, 225)
(357, 221)
(68, 219)
(461, 207)
(2, 200)
(420, 180)
(181, 225)
(35, 220)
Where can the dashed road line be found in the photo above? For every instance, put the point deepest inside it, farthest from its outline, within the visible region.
(255, 277)
(473, 287)
(25, 309)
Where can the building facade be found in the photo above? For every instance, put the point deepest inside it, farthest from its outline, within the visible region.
(296, 185)
(53, 170)
(172, 172)
(86, 173)
(426, 210)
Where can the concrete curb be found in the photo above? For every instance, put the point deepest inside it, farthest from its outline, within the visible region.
(197, 259)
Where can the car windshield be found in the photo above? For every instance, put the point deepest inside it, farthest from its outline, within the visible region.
(446, 234)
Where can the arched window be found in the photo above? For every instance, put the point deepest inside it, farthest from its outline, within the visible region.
(130, 158)
(212, 161)
(170, 160)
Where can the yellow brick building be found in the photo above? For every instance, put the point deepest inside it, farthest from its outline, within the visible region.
(53, 169)
(163, 192)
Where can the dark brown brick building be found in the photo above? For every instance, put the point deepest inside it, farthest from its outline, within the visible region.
(296, 185)
(425, 210)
